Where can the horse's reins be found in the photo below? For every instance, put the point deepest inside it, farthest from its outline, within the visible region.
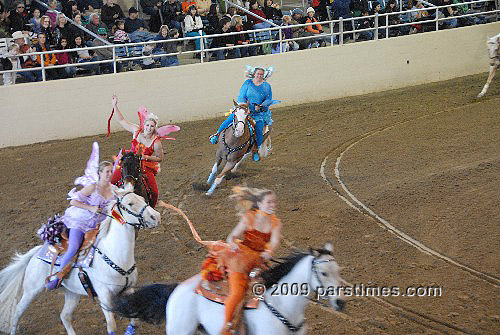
(139, 215)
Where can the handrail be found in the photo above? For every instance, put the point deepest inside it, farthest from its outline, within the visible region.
(281, 40)
(250, 13)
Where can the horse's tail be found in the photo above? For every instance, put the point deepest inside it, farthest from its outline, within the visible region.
(147, 303)
(11, 281)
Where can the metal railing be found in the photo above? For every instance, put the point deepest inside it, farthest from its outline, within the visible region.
(334, 36)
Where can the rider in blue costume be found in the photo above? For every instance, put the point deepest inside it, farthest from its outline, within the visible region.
(259, 96)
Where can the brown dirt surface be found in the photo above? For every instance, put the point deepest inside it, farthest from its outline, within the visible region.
(431, 170)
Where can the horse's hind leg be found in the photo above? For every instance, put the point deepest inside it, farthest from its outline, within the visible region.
(233, 170)
(70, 302)
(493, 70)
(33, 285)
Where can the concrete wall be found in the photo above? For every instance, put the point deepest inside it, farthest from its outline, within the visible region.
(77, 107)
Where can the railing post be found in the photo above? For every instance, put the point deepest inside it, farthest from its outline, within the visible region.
(387, 26)
(42, 62)
(331, 32)
(376, 27)
(341, 30)
(202, 46)
(437, 19)
(114, 59)
(281, 41)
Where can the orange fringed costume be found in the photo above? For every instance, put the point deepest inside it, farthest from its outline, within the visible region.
(243, 260)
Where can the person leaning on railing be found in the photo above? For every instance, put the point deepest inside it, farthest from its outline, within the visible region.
(298, 18)
(83, 56)
(447, 12)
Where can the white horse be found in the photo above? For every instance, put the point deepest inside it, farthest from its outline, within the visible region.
(287, 289)
(493, 53)
(113, 268)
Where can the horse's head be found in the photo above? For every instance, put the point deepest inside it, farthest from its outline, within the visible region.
(134, 209)
(326, 277)
(131, 166)
(241, 113)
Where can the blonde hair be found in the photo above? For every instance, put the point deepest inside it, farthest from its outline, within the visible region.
(247, 198)
(103, 165)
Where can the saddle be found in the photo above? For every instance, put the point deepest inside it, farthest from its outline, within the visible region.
(217, 291)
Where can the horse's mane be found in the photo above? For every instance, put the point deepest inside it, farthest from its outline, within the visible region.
(104, 226)
(286, 264)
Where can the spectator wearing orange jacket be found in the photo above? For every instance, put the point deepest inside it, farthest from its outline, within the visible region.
(315, 29)
(49, 60)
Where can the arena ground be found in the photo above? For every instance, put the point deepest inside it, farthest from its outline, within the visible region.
(423, 159)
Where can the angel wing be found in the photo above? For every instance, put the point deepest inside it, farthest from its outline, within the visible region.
(91, 175)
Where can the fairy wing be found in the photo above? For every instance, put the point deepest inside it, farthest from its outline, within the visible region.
(142, 112)
(91, 175)
(165, 130)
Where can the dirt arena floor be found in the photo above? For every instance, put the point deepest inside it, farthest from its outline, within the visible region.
(424, 159)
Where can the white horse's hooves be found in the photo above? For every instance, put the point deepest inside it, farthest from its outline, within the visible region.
(209, 193)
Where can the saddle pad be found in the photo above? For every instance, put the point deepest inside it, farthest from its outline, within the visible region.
(217, 292)
(46, 254)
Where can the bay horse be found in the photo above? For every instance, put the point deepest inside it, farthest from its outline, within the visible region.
(312, 275)
(235, 143)
(112, 270)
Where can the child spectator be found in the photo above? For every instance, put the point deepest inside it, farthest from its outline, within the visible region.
(147, 50)
(120, 35)
(35, 21)
(65, 58)
(315, 29)
(288, 34)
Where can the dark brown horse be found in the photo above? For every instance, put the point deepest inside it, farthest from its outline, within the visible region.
(235, 144)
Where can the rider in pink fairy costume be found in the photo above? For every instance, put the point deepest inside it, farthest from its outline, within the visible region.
(87, 205)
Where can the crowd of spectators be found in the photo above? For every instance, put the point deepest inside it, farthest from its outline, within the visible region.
(36, 27)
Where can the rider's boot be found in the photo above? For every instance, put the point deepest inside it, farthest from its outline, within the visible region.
(214, 138)
(55, 283)
(74, 243)
(255, 155)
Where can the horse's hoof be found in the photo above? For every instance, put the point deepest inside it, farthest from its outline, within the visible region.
(130, 330)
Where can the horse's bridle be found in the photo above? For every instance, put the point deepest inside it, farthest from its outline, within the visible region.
(236, 122)
(241, 146)
(318, 299)
(139, 215)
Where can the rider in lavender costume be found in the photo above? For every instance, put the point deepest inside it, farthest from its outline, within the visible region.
(257, 92)
(86, 208)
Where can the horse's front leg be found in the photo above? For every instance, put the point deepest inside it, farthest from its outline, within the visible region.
(213, 173)
(70, 302)
(105, 300)
(493, 70)
(220, 177)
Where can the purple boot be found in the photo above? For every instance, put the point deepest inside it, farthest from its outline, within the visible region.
(74, 243)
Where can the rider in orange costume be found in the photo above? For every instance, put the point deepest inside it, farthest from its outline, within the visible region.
(253, 240)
